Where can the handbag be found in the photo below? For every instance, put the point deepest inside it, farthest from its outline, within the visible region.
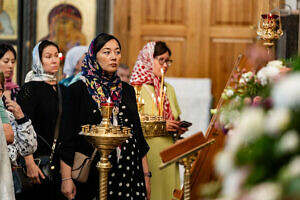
(81, 166)
(45, 162)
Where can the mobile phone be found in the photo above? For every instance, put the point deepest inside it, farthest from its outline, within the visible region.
(185, 124)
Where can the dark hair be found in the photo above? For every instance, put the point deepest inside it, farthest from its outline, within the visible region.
(161, 48)
(101, 40)
(5, 48)
(2, 80)
(44, 44)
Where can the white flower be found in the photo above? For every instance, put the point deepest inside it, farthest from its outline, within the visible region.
(229, 92)
(228, 116)
(247, 76)
(265, 191)
(224, 162)
(293, 167)
(232, 183)
(289, 142)
(277, 119)
(251, 123)
(275, 63)
(249, 126)
(234, 141)
(267, 74)
(286, 92)
(242, 81)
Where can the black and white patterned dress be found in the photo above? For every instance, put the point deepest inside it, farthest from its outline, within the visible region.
(126, 178)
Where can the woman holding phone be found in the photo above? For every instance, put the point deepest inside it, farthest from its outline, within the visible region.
(154, 60)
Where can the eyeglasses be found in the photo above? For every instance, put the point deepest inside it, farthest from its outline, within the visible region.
(162, 61)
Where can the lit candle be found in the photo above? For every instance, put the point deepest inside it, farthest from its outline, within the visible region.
(162, 101)
(143, 102)
(153, 103)
(158, 103)
(161, 88)
(108, 103)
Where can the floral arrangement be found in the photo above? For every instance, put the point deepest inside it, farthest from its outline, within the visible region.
(248, 89)
(261, 158)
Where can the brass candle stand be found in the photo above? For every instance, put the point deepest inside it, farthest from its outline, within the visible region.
(187, 163)
(153, 126)
(105, 137)
(269, 29)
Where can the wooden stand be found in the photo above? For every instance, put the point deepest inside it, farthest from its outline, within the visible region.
(185, 152)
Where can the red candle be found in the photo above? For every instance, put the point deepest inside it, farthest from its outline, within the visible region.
(108, 103)
(269, 16)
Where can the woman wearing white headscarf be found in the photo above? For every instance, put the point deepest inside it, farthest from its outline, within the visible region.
(38, 99)
(73, 64)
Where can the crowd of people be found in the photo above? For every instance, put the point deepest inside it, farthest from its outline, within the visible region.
(41, 121)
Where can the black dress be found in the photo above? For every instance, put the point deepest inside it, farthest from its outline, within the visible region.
(126, 178)
(39, 102)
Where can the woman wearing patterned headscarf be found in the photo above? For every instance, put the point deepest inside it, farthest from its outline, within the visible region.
(99, 82)
(38, 99)
(154, 57)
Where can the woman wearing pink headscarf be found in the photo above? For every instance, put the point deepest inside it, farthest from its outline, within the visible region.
(152, 59)
(8, 59)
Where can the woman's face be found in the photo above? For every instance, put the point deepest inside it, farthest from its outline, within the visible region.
(7, 64)
(50, 59)
(109, 56)
(157, 66)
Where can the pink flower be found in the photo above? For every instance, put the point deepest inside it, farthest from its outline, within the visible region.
(256, 101)
(247, 101)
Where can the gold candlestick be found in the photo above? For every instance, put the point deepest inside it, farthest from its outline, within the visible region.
(137, 88)
(140, 106)
(161, 91)
(162, 101)
(105, 137)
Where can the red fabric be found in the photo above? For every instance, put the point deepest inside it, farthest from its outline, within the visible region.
(9, 85)
(143, 74)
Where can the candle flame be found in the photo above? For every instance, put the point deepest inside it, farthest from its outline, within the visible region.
(108, 100)
(158, 99)
(143, 101)
(161, 71)
(165, 88)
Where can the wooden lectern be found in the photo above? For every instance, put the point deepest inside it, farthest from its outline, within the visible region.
(202, 168)
(185, 151)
